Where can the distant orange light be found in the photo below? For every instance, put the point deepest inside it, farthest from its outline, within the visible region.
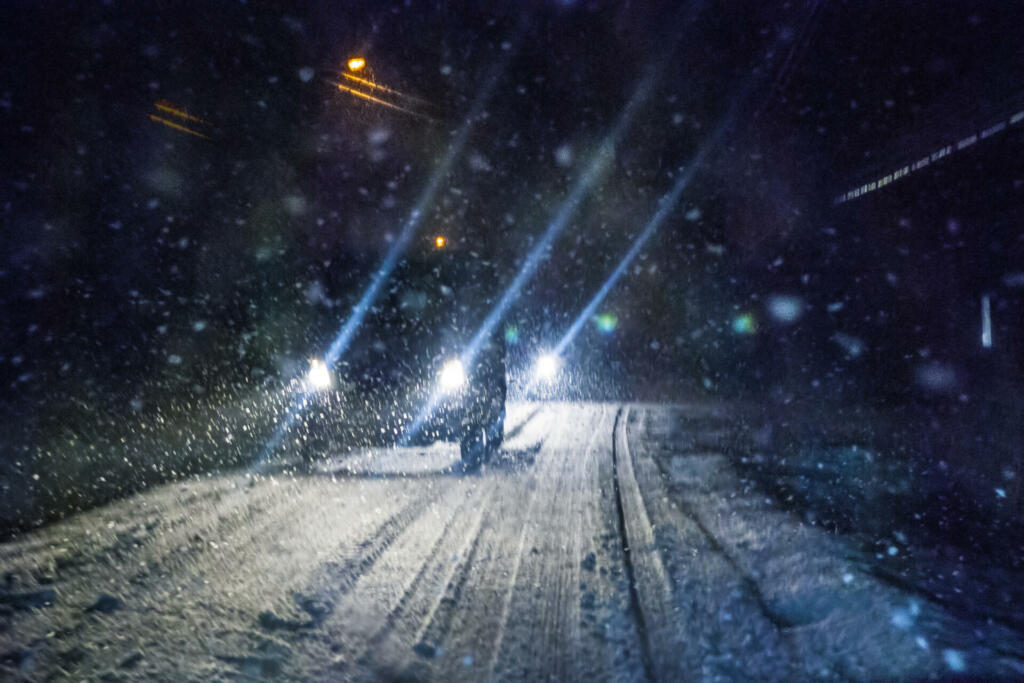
(440, 241)
(356, 64)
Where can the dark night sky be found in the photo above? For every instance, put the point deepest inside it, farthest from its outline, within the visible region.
(126, 243)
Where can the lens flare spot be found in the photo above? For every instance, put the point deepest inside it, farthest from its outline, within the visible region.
(744, 324)
(511, 334)
(606, 322)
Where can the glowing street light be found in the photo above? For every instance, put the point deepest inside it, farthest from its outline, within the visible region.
(356, 64)
(440, 241)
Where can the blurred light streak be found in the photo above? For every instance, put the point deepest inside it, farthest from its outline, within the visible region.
(938, 153)
(382, 88)
(986, 321)
(174, 110)
(377, 100)
(438, 177)
(177, 126)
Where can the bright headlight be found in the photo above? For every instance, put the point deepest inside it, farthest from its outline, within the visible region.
(453, 375)
(546, 367)
(319, 377)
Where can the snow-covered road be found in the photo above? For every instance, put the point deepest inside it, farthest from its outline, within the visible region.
(610, 542)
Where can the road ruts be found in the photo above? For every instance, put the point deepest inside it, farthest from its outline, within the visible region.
(609, 542)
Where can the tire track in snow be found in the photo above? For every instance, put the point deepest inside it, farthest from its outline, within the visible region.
(510, 586)
(437, 625)
(550, 474)
(635, 604)
(338, 578)
(433, 573)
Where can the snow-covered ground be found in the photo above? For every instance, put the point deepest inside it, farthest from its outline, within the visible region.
(611, 541)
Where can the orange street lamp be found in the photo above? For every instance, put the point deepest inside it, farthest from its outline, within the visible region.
(356, 64)
(440, 241)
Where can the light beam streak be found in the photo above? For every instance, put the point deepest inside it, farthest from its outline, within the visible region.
(596, 169)
(667, 204)
(440, 174)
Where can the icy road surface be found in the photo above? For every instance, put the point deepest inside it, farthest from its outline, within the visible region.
(611, 542)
